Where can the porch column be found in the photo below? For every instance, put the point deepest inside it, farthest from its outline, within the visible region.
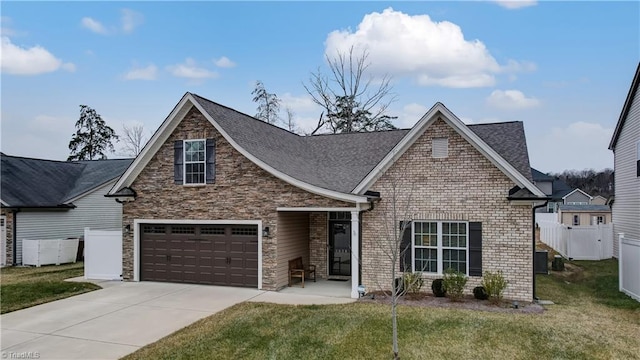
(355, 256)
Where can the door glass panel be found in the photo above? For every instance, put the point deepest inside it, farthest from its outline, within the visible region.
(340, 248)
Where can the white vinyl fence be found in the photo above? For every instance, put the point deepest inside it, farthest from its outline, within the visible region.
(49, 251)
(629, 266)
(578, 242)
(548, 217)
(102, 254)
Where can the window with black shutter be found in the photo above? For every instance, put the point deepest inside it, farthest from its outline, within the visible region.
(194, 162)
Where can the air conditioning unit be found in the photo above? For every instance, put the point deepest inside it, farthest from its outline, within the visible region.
(540, 262)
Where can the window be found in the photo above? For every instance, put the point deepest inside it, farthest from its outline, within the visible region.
(576, 220)
(342, 215)
(551, 207)
(600, 220)
(440, 148)
(439, 245)
(194, 161)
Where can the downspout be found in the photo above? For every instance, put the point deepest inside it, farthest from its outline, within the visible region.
(14, 235)
(533, 243)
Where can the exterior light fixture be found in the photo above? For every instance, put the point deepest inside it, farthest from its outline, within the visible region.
(265, 231)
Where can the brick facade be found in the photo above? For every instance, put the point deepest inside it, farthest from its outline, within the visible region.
(8, 249)
(463, 186)
(242, 191)
(318, 242)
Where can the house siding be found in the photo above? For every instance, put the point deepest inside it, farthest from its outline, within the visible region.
(293, 242)
(626, 207)
(93, 210)
(577, 197)
(8, 248)
(464, 186)
(242, 191)
(566, 217)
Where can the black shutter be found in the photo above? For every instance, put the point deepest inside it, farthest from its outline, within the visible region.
(211, 161)
(405, 246)
(475, 249)
(178, 168)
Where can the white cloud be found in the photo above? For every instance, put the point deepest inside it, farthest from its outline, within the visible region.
(433, 53)
(306, 112)
(35, 60)
(515, 4)
(410, 115)
(130, 20)
(190, 70)
(580, 145)
(224, 62)
(511, 100)
(93, 25)
(142, 73)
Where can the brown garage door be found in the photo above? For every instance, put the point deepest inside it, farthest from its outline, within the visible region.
(201, 254)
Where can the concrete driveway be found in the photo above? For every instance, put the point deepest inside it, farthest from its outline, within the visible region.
(122, 317)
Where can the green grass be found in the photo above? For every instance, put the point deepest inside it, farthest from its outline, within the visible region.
(24, 287)
(591, 321)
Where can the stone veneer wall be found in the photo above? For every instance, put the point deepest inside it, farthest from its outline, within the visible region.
(242, 191)
(318, 242)
(9, 240)
(463, 186)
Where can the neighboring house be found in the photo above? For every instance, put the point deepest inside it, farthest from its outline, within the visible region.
(45, 199)
(219, 197)
(558, 191)
(625, 144)
(582, 215)
(598, 200)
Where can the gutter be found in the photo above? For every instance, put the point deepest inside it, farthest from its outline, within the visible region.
(533, 244)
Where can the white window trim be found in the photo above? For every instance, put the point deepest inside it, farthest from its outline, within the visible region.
(439, 247)
(184, 162)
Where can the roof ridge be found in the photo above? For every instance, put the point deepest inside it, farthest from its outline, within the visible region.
(497, 122)
(358, 132)
(244, 114)
(37, 159)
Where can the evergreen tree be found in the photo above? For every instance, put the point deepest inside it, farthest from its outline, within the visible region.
(93, 137)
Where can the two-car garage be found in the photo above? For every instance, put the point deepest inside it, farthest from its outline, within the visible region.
(213, 254)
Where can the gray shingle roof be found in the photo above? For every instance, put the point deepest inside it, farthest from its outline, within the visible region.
(538, 175)
(340, 162)
(594, 208)
(28, 182)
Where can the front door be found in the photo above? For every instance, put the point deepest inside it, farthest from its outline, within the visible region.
(340, 248)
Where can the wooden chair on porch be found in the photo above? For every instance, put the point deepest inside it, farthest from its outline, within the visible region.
(298, 270)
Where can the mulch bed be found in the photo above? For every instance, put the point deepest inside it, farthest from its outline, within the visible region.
(467, 303)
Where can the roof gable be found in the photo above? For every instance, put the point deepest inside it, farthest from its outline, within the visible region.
(329, 165)
(625, 108)
(439, 111)
(577, 190)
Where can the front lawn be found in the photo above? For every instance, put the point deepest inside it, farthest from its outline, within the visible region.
(592, 320)
(24, 287)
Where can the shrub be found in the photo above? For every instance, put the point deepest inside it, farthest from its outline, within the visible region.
(454, 282)
(480, 293)
(494, 284)
(398, 284)
(437, 286)
(413, 282)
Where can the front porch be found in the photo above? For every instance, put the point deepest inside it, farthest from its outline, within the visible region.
(325, 237)
(322, 287)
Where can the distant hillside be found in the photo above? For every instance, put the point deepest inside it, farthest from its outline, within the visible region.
(590, 181)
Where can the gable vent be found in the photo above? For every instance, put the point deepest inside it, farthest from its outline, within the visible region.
(440, 148)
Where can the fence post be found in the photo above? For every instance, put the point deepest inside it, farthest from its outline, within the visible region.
(620, 238)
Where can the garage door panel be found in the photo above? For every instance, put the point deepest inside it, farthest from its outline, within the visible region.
(204, 254)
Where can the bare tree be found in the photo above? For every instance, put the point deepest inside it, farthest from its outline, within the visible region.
(268, 104)
(290, 121)
(351, 100)
(133, 139)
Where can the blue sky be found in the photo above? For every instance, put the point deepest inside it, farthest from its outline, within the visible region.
(563, 68)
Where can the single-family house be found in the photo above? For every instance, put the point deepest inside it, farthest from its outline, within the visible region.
(598, 200)
(583, 215)
(558, 191)
(46, 199)
(625, 144)
(219, 197)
